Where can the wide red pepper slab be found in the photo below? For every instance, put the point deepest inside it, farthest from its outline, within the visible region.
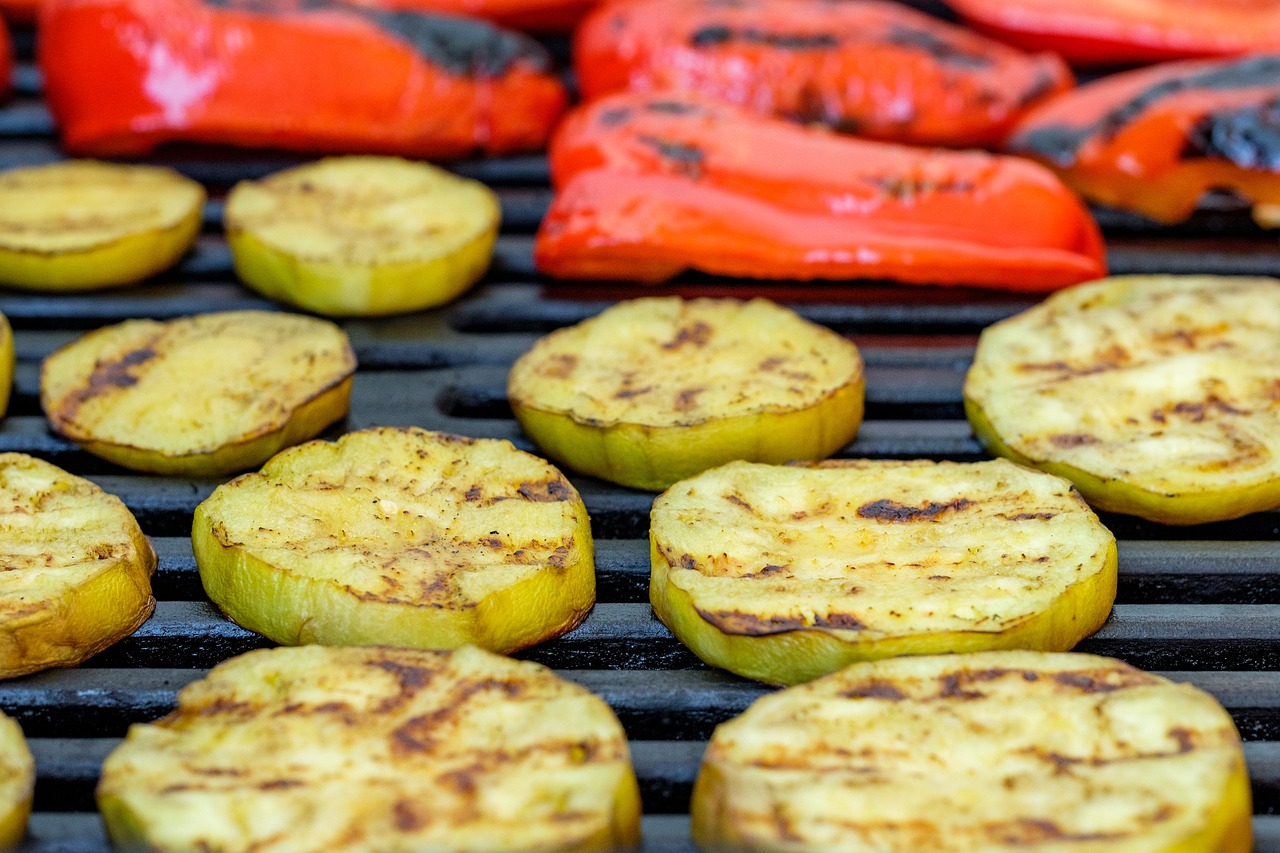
(124, 76)
(1155, 140)
(1100, 32)
(652, 185)
(6, 61)
(866, 67)
(24, 11)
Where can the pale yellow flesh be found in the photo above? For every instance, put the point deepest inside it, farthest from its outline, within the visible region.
(1023, 752)
(321, 749)
(82, 224)
(399, 537)
(784, 574)
(1156, 395)
(7, 363)
(203, 395)
(17, 783)
(362, 235)
(655, 390)
(77, 568)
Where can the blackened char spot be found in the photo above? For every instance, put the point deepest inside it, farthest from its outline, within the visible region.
(1072, 439)
(686, 159)
(673, 108)
(1060, 143)
(887, 510)
(941, 49)
(749, 624)
(874, 690)
(106, 376)
(840, 621)
(614, 116)
(546, 491)
(710, 36)
(718, 34)
(1247, 136)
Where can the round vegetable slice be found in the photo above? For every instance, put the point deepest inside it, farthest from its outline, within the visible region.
(362, 235)
(17, 783)
(7, 363)
(994, 752)
(82, 224)
(319, 749)
(1155, 395)
(77, 568)
(655, 390)
(400, 537)
(203, 395)
(787, 573)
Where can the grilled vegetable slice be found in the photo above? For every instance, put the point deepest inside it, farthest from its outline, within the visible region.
(324, 76)
(7, 363)
(319, 749)
(1155, 395)
(652, 185)
(787, 573)
(81, 224)
(539, 16)
(655, 390)
(870, 68)
(1155, 140)
(17, 783)
(999, 752)
(1126, 32)
(362, 235)
(201, 395)
(400, 537)
(77, 568)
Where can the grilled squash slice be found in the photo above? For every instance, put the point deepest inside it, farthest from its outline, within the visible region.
(655, 390)
(784, 574)
(1156, 395)
(81, 224)
(17, 783)
(77, 572)
(399, 537)
(7, 363)
(321, 749)
(362, 235)
(997, 752)
(203, 395)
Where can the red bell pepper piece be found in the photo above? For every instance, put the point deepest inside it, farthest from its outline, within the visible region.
(865, 67)
(537, 16)
(1093, 32)
(123, 76)
(1154, 140)
(651, 185)
(6, 61)
(20, 10)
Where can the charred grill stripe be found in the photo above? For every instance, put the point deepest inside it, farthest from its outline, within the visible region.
(887, 510)
(684, 158)
(941, 49)
(546, 491)
(1247, 136)
(716, 35)
(107, 376)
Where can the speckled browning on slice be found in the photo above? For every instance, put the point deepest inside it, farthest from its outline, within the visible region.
(669, 362)
(999, 751)
(317, 749)
(1169, 384)
(195, 384)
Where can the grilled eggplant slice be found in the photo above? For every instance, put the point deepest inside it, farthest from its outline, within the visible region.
(362, 235)
(656, 390)
(784, 574)
(203, 395)
(320, 749)
(77, 568)
(998, 752)
(1155, 395)
(17, 783)
(399, 537)
(81, 224)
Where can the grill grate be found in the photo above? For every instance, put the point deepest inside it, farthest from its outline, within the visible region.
(1200, 604)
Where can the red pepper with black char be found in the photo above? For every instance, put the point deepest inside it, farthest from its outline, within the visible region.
(652, 185)
(24, 11)
(537, 16)
(864, 67)
(1114, 32)
(1155, 140)
(124, 76)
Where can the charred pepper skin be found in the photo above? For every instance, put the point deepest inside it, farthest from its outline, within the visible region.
(22, 11)
(866, 67)
(124, 76)
(652, 185)
(1155, 140)
(535, 16)
(1123, 32)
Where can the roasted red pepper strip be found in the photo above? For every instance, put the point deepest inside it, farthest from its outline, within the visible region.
(1093, 32)
(125, 75)
(537, 16)
(6, 61)
(865, 67)
(1155, 140)
(651, 185)
(20, 10)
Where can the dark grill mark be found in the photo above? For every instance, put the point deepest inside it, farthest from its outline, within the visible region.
(716, 35)
(628, 393)
(887, 510)
(737, 501)
(673, 108)
(1072, 439)
(687, 399)
(546, 491)
(614, 117)
(1248, 136)
(839, 621)
(685, 159)
(1104, 682)
(946, 52)
(1029, 516)
(698, 334)
(751, 625)
(875, 690)
(107, 376)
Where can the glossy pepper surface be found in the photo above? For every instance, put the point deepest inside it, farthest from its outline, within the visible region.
(1155, 140)
(20, 10)
(539, 16)
(1092, 32)
(6, 60)
(652, 185)
(123, 76)
(865, 67)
